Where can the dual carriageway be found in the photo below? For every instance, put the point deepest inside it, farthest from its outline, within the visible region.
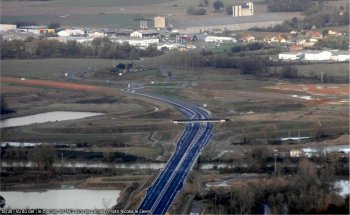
(170, 181)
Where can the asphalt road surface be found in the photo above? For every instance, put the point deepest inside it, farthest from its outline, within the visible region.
(171, 179)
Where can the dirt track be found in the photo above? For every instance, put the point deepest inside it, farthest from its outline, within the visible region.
(56, 84)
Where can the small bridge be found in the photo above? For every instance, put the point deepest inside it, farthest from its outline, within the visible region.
(184, 121)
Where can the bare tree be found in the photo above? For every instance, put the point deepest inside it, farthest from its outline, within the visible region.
(44, 156)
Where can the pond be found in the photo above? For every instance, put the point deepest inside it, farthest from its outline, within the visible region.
(45, 117)
(62, 198)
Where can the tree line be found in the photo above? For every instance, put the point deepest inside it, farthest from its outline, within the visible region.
(98, 48)
(316, 14)
(309, 188)
(257, 65)
(288, 5)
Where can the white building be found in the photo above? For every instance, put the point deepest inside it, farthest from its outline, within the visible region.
(290, 56)
(340, 56)
(295, 153)
(159, 22)
(136, 34)
(318, 55)
(97, 34)
(71, 32)
(143, 43)
(7, 27)
(245, 9)
(144, 33)
(213, 39)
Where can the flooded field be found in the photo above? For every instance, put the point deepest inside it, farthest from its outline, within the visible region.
(45, 117)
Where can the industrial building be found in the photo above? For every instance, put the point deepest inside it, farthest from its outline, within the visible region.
(144, 33)
(316, 55)
(7, 27)
(290, 56)
(213, 39)
(340, 56)
(245, 9)
(160, 22)
(71, 32)
(312, 55)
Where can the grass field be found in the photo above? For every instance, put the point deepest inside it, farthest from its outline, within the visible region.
(105, 13)
(337, 70)
(100, 20)
(227, 93)
(50, 68)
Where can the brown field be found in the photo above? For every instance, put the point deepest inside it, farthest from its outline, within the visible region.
(316, 89)
(110, 13)
(56, 84)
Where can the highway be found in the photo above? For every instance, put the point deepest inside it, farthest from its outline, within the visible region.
(171, 179)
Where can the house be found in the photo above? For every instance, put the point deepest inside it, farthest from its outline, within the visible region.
(313, 34)
(306, 42)
(214, 39)
(276, 39)
(136, 34)
(317, 55)
(295, 153)
(334, 33)
(248, 38)
(296, 47)
(290, 56)
(144, 33)
(97, 34)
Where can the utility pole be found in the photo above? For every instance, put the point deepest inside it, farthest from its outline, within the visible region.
(275, 153)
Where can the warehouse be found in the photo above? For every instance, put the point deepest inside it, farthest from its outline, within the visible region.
(290, 56)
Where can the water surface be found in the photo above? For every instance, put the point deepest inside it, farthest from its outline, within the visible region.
(59, 199)
(45, 117)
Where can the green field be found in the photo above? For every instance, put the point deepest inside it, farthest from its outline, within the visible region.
(50, 68)
(337, 70)
(81, 20)
(106, 3)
